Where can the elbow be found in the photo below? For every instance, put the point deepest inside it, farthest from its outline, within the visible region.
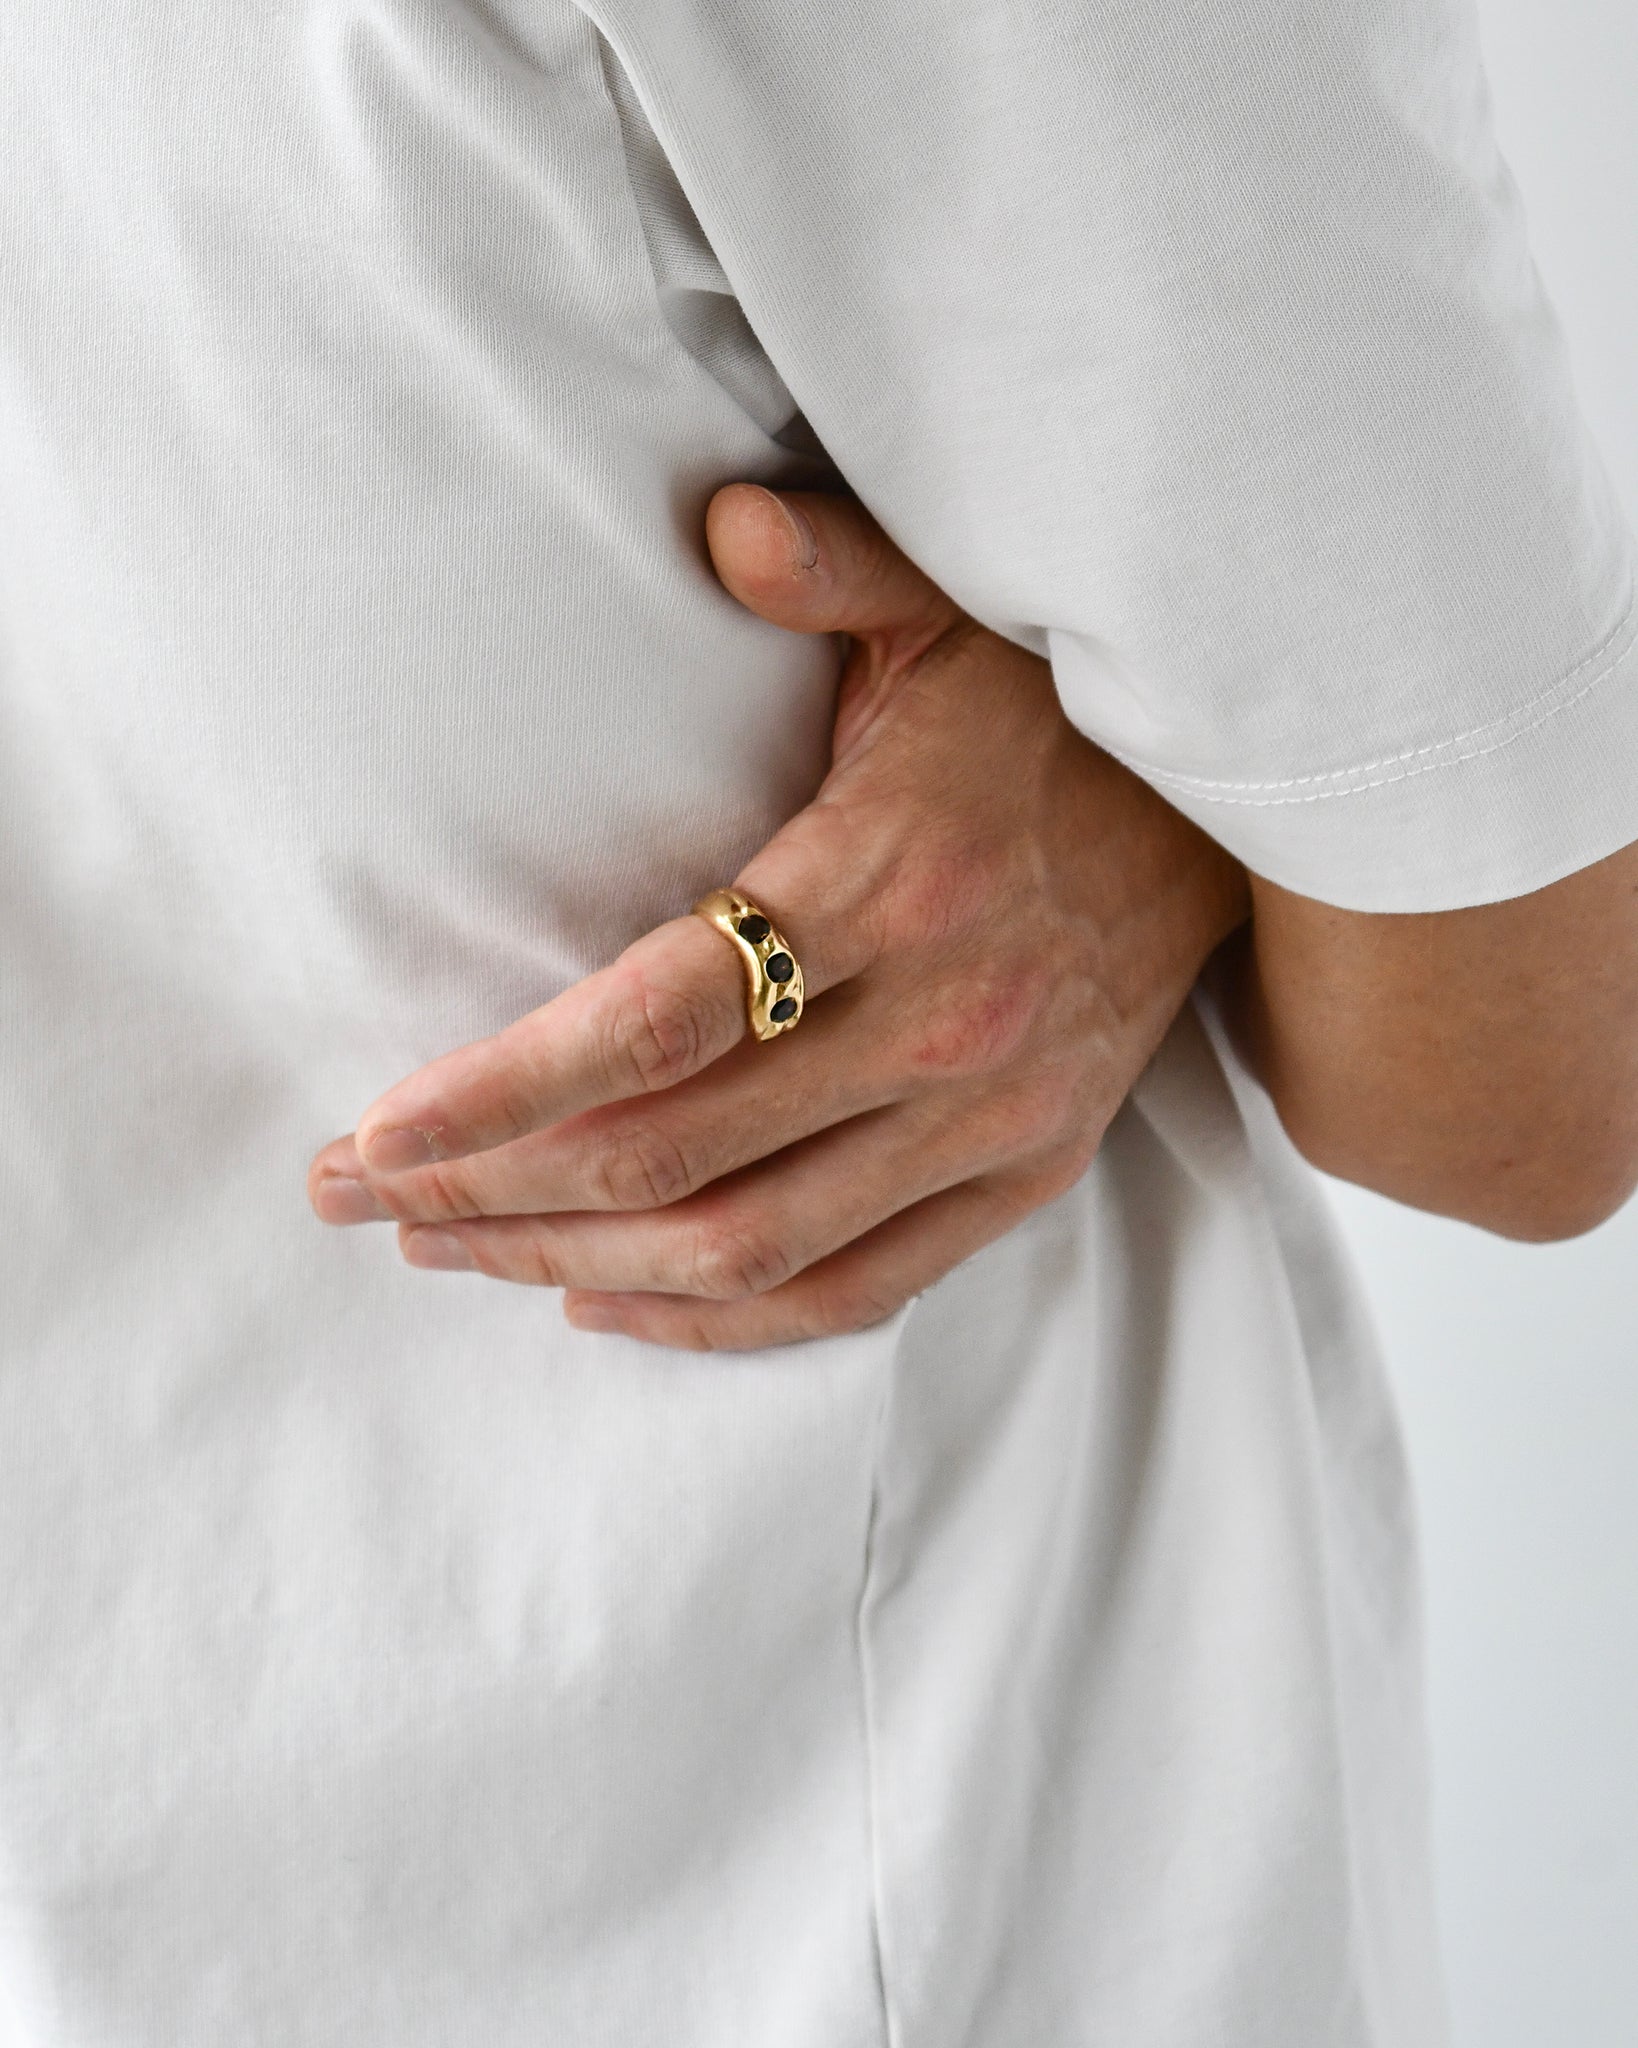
(1529, 1190)
(1549, 1186)
(1568, 1204)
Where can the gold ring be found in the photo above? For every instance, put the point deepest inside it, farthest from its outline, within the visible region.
(775, 980)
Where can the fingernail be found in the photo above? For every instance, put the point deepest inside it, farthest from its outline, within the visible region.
(398, 1148)
(340, 1199)
(600, 1317)
(438, 1251)
(804, 541)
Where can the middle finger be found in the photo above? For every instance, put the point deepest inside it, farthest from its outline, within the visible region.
(646, 1154)
(748, 1233)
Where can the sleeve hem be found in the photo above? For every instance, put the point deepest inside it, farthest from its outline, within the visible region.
(1504, 810)
(1599, 667)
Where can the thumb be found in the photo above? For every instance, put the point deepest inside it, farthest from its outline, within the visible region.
(818, 564)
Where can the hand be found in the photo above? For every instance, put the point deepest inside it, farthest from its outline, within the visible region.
(996, 922)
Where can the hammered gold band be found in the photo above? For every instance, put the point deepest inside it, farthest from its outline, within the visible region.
(774, 981)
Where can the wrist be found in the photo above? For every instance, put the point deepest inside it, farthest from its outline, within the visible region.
(1167, 895)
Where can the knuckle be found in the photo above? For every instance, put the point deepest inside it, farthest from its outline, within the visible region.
(1062, 1169)
(438, 1194)
(1022, 1190)
(856, 1303)
(692, 1331)
(529, 1258)
(514, 1112)
(1037, 1116)
(643, 1167)
(729, 1263)
(657, 1039)
(401, 1203)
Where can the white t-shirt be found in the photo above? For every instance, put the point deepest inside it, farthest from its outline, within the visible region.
(384, 1665)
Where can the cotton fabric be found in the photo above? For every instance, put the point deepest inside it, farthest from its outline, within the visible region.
(382, 1662)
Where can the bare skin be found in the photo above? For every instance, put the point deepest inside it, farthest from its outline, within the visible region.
(1482, 1063)
(997, 923)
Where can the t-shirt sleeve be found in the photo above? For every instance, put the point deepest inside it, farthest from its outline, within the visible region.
(1197, 345)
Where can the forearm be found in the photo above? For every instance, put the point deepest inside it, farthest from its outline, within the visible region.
(1480, 1063)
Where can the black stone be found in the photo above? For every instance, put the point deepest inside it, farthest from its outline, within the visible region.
(753, 930)
(784, 1010)
(779, 966)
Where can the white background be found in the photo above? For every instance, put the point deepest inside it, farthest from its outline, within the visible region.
(1517, 1367)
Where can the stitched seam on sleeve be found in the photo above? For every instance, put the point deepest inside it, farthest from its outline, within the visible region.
(1446, 753)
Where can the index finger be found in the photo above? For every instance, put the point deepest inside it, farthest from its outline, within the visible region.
(671, 1004)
